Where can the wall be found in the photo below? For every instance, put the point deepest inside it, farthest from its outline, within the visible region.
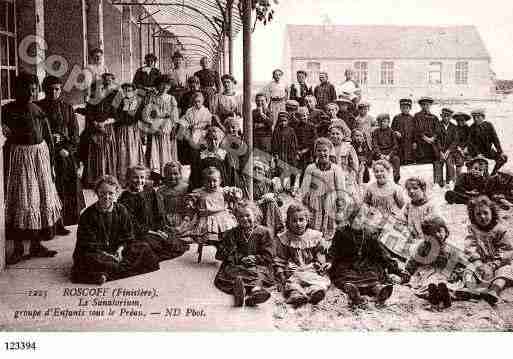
(410, 78)
(66, 38)
(112, 18)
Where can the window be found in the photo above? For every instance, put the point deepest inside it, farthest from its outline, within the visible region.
(435, 73)
(461, 73)
(361, 72)
(8, 55)
(313, 69)
(387, 73)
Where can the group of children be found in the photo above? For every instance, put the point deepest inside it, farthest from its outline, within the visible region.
(327, 235)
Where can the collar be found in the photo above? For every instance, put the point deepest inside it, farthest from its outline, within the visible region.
(311, 238)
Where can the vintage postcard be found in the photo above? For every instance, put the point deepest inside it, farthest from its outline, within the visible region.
(255, 165)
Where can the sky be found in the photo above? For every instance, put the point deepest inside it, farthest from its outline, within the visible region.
(493, 19)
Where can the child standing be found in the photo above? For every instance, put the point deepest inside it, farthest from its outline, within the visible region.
(481, 138)
(457, 149)
(196, 120)
(429, 278)
(284, 149)
(489, 247)
(384, 194)
(32, 205)
(404, 129)
(211, 203)
(364, 154)
(262, 124)
(300, 260)
(385, 145)
(445, 139)
(306, 134)
(128, 136)
(344, 155)
(323, 190)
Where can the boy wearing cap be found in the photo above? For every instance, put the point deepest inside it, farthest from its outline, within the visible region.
(403, 125)
(300, 89)
(324, 92)
(482, 137)
(458, 147)
(445, 136)
(385, 145)
(425, 126)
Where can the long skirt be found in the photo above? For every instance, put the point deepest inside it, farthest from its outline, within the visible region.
(69, 188)
(208, 94)
(252, 276)
(138, 258)
(363, 275)
(130, 150)
(32, 201)
(102, 156)
(162, 149)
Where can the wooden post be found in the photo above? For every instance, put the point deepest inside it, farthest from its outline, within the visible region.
(229, 11)
(246, 113)
(3, 246)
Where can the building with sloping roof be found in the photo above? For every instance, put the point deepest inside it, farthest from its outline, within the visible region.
(393, 61)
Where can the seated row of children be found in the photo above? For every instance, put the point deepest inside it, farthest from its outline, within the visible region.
(328, 239)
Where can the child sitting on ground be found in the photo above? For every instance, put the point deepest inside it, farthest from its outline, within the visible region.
(428, 265)
(300, 260)
(489, 247)
(471, 183)
(420, 208)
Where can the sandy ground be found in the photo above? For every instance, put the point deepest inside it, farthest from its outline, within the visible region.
(182, 282)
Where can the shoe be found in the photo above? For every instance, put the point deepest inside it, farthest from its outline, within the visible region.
(239, 292)
(317, 296)
(466, 294)
(15, 258)
(257, 296)
(62, 231)
(384, 292)
(102, 279)
(42, 252)
(490, 296)
(353, 294)
(297, 300)
(445, 296)
(433, 296)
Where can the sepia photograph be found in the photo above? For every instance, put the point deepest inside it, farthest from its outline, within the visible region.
(255, 166)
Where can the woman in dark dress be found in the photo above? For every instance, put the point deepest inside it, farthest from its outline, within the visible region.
(148, 216)
(106, 248)
(145, 77)
(248, 253)
(32, 205)
(360, 263)
(210, 80)
(65, 133)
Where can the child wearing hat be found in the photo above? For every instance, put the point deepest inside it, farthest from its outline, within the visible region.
(482, 137)
(457, 148)
(425, 124)
(403, 125)
(385, 145)
(445, 136)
